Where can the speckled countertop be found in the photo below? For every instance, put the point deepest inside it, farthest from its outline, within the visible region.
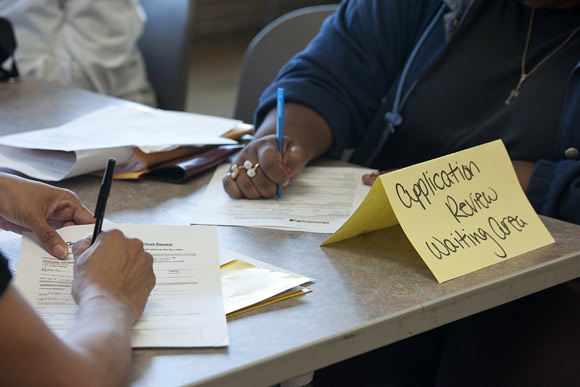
(368, 291)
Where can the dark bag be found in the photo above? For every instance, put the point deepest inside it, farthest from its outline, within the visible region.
(8, 68)
(181, 169)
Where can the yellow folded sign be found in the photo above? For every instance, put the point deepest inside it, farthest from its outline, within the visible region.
(461, 212)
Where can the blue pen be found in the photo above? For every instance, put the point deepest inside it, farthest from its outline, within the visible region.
(280, 130)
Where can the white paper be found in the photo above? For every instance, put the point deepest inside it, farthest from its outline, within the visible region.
(319, 200)
(227, 256)
(58, 165)
(122, 126)
(10, 247)
(185, 309)
(85, 144)
(249, 287)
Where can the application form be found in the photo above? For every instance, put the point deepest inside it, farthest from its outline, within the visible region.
(319, 200)
(185, 309)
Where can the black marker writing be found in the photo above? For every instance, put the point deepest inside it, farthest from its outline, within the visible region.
(499, 230)
(428, 185)
(460, 241)
(471, 205)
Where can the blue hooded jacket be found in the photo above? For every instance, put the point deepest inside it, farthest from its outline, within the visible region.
(367, 57)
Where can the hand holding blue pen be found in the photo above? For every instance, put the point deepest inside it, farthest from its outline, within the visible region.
(282, 146)
(280, 130)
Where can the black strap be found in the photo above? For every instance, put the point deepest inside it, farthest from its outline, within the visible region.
(8, 67)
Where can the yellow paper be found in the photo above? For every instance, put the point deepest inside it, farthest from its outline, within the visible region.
(373, 213)
(461, 212)
(245, 285)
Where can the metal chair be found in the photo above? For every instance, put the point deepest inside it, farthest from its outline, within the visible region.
(273, 46)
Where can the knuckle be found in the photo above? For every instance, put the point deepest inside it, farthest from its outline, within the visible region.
(135, 244)
(247, 153)
(149, 259)
(297, 155)
(113, 233)
(70, 194)
(266, 187)
(269, 155)
(268, 193)
(46, 236)
(272, 171)
(245, 184)
(230, 188)
(152, 280)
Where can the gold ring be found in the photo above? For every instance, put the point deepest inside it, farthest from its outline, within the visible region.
(252, 171)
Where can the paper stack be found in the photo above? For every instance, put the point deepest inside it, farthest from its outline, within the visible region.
(137, 136)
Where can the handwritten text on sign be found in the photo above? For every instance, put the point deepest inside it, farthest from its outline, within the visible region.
(461, 212)
(465, 211)
(459, 209)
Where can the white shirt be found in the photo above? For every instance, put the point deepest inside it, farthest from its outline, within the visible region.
(89, 44)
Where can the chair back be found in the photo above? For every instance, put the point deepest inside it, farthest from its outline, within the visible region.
(272, 47)
(165, 45)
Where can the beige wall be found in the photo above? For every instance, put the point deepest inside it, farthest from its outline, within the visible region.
(219, 18)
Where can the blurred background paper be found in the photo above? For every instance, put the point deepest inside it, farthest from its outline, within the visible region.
(137, 137)
(120, 126)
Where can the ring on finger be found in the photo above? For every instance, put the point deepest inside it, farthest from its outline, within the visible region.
(248, 164)
(252, 171)
(234, 172)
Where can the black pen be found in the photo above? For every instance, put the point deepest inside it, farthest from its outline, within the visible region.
(103, 196)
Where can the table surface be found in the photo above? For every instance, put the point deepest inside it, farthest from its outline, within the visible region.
(369, 291)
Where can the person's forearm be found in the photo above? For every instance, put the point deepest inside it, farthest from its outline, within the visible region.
(96, 352)
(304, 126)
(101, 337)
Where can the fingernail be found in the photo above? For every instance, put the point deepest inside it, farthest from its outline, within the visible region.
(288, 171)
(369, 179)
(285, 183)
(59, 251)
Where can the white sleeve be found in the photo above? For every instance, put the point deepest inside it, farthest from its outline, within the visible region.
(90, 44)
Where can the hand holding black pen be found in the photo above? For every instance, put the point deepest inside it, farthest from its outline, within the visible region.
(103, 196)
